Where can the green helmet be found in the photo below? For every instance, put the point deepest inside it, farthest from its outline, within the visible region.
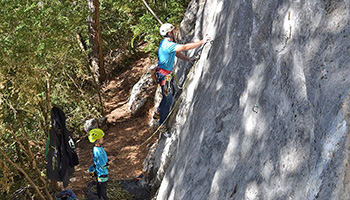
(95, 134)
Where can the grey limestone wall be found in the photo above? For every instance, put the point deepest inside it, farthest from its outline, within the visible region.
(265, 114)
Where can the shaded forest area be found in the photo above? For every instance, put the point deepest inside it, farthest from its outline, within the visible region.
(48, 58)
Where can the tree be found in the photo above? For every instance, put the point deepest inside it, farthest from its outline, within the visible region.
(96, 55)
(41, 65)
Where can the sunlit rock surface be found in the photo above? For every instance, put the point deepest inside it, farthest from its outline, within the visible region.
(265, 113)
(141, 91)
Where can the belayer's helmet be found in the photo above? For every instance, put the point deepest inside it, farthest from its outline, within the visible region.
(165, 28)
(95, 134)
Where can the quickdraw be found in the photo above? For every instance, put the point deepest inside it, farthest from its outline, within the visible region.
(167, 84)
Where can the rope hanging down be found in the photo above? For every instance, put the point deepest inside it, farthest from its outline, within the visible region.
(149, 8)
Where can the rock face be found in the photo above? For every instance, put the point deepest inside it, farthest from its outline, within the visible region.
(141, 91)
(266, 113)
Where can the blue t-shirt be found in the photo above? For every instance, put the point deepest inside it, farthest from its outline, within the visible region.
(166, 54)
(100, 160)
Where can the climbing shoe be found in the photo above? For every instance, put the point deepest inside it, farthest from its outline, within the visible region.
(156, 115)
(164, 131)
(167, 135)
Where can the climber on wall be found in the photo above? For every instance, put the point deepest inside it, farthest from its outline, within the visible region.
(167, 51)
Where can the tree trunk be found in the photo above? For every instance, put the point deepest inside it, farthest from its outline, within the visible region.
(82, 47)
(96, 56)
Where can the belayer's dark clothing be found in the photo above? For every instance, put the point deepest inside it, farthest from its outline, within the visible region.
(61, 156)
(102, 190)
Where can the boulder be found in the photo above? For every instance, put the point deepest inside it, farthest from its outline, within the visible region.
(96, 123)
(142, 93)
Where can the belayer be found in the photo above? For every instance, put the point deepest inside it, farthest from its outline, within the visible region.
(167, 51)
(101, 162)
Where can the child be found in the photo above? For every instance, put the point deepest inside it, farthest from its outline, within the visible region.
(101, 162)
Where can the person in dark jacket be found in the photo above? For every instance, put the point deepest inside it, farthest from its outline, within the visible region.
(61, 156)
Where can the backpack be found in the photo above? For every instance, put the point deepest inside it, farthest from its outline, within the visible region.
(66, 195)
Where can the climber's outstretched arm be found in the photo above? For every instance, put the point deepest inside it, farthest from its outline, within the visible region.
(188, 46)
(192, 45)
(182, 56)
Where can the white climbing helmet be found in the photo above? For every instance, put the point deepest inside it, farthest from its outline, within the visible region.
(165, 28)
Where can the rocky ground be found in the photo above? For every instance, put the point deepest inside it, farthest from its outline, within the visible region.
(125, 133)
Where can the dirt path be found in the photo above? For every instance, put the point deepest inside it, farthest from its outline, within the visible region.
(124, 135)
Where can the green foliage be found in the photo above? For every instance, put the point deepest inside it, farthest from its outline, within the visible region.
(168, 11)
(127, 24)
(115, 23)
(39, 47)
(42, 64)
